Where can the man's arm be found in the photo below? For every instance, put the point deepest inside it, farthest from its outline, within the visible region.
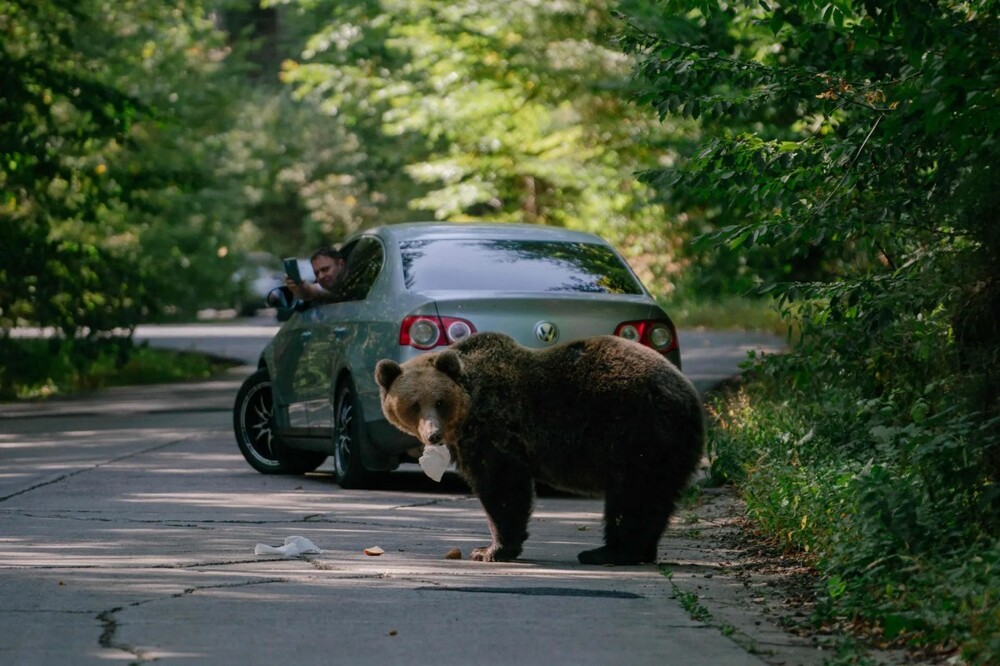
(306, 291)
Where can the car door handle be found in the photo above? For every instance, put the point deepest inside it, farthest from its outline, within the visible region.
(340, 332)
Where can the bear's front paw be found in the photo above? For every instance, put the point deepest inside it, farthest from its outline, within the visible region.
(494, 553)
(482, 554)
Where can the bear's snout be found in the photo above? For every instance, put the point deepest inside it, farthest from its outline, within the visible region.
(430, 432)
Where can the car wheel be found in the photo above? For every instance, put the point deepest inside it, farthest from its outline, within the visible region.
(349, 436)
(253, 425)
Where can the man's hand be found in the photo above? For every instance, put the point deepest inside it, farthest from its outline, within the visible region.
(300, 290)
(304, 291)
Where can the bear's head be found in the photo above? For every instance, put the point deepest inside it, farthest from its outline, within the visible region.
(424, 396)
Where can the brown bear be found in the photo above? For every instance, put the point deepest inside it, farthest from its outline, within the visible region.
(601, 416)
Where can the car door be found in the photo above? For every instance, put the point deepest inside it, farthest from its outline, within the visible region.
(315, 344)
(302, 357)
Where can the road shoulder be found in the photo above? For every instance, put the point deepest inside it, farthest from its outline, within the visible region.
(727, 576)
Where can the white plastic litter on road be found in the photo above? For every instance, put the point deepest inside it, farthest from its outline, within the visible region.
(295, 546)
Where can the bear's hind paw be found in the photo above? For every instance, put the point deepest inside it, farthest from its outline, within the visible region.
(606, 555)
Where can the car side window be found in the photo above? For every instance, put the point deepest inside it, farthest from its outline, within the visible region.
(364, 262)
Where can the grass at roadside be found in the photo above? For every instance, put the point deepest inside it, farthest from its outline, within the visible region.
(734, 314)
(32, 368)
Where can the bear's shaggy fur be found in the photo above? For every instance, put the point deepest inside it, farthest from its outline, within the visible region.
(601, 416)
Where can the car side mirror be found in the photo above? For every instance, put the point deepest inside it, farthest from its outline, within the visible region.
(283, 300)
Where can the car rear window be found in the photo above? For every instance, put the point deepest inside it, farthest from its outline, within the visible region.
(514, 265)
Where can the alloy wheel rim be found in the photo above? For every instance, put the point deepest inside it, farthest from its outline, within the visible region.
(258, 429)
(344, 441)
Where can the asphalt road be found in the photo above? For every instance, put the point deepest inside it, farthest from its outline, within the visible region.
(128, 523)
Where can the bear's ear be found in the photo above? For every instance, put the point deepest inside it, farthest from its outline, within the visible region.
(450, 363)
(386, 372)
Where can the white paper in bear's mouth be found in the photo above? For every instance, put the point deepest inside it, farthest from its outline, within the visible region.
(435, 460)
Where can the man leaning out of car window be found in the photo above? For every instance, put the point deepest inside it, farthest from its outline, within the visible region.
(328, 265)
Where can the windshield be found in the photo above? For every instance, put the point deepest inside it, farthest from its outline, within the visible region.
(514, 265)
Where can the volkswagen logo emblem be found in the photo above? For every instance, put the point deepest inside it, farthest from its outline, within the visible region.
(547, 332)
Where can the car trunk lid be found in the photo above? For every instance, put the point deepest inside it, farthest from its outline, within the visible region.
(541, 320)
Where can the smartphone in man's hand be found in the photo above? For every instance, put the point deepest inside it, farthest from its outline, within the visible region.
(292, 269)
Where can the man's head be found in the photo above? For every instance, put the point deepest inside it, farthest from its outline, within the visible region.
(327, 264)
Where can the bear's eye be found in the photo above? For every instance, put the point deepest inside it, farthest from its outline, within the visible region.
(415, 408)
(439, 404)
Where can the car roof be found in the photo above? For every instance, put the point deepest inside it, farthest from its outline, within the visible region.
(469, 230)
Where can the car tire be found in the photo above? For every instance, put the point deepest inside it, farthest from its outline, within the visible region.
(349, 438)
(253, 422)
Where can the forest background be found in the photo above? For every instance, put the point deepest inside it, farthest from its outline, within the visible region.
(834, 159)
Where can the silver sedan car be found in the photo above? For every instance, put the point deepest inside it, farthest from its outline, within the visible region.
(407, 289)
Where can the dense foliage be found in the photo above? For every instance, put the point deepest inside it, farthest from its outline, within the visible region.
(149, 147)
(109, 110)
(849, 157)
(107, 214)
(497, 108)
(509, 110)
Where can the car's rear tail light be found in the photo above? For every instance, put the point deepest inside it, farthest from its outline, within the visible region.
(656, 334)
(422, 332)
(427, 332)
(457, 330)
